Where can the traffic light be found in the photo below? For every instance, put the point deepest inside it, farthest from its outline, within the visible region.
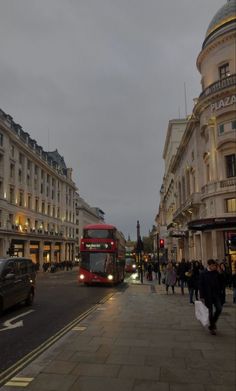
(161, 243)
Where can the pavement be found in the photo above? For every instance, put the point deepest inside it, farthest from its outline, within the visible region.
(138, 339)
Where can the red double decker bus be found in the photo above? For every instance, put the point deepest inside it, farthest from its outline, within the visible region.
(102, 251)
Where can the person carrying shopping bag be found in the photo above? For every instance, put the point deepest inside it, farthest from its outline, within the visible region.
(210, 293)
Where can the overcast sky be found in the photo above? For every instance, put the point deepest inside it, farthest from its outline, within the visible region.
(99, 80)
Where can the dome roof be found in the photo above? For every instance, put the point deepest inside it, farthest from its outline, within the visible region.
(226, 14)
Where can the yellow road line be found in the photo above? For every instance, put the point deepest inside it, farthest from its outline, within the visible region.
(6, 375)
(19, 381)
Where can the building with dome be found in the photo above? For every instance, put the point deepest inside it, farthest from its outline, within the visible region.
(203, 169)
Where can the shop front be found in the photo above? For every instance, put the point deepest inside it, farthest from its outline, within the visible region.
(47, 252)
(216, 238)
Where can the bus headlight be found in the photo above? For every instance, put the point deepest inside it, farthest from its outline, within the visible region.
(110, 277)
(81, 276)
(133, 266)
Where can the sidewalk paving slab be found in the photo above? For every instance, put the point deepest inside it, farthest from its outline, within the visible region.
(141, 339)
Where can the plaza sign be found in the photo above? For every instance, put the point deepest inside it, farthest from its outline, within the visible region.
(227, 101)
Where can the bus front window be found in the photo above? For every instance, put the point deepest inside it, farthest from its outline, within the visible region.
(100, 263)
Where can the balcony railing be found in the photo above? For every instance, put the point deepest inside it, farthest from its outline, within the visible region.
(192, 201)
(29, 231)
(219, 85)
(220, 186)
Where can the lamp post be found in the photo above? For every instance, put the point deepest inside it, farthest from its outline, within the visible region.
(139, 249)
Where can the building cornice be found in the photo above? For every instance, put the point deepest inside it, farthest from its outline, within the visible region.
(191, 125)
(168, 135)
(35, 157)
(214, 44)
(205, 101)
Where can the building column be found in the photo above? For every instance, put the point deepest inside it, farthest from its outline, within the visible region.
(63, 252)
(203, 248)
(5, 244)
(41, 244)
(27, 249)
(52, 252)
(191, 247)
(214, 245)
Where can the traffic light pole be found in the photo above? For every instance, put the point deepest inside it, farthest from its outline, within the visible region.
(158, 252)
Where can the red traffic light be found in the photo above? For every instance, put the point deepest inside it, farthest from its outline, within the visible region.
(161, 244)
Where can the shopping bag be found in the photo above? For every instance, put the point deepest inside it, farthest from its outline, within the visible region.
(201, 313)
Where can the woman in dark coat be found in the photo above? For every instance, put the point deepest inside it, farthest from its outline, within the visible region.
(193, 280)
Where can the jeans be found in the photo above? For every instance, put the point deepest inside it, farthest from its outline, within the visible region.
(215, 308)
(182, 285)
(191, 293)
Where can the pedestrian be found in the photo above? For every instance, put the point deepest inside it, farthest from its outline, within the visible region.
(149, 271)
(193, 280)
(234, 280)
(223, 280)
(170, 277)
(156, 269)
(209, 287)
(181, 270)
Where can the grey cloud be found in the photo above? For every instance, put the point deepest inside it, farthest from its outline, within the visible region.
(99, 80)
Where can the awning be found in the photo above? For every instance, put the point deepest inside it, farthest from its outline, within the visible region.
(212, 223)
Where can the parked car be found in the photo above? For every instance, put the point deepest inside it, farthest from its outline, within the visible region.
(17, 281)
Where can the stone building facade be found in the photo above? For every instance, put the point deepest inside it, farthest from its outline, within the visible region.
(37, 198)
(204, 167)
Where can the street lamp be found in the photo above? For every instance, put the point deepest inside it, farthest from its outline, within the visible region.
(139, 249)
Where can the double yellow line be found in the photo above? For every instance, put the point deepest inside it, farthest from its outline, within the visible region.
(19, 382)
(10, 372)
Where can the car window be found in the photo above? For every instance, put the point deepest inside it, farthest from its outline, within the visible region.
(30, 266)
(22, 266)
(9, 268)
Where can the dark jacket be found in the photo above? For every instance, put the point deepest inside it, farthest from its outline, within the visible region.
(182, 268)
(193, 280)
(209, 286)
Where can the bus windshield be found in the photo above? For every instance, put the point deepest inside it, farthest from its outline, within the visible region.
(100, 263)
(98, 234)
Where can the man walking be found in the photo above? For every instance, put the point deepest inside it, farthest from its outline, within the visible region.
(209, 287)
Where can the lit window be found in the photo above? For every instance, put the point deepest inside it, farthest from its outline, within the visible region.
(224, 71)
(231, 205)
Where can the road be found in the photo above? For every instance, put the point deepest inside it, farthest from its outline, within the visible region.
(59, 300)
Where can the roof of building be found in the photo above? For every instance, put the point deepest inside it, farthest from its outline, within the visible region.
(226, 14)
(57, 158)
